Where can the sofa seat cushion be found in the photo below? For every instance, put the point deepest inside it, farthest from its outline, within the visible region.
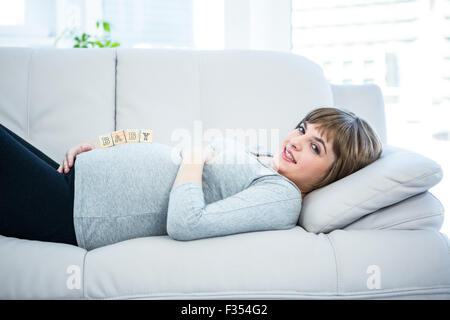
(281, 264)
(32, 269)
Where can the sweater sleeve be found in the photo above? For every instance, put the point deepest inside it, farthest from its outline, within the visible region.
(267, 204)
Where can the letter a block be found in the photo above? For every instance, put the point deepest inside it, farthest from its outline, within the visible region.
(106, 141)
(146, 136)
(119, 137)
(132, 135)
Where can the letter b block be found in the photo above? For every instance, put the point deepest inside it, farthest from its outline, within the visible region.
(106, 141)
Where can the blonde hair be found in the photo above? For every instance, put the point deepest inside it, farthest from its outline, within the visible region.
(354, 142)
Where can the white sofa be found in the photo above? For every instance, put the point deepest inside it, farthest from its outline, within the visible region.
(56, 98)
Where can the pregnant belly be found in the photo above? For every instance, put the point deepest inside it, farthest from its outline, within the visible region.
(127, 179)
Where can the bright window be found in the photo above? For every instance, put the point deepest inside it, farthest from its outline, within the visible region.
(151, 22)
(195, 24)
(12, 12)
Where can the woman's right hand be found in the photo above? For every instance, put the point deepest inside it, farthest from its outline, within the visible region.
(198, 155)
(72, 153)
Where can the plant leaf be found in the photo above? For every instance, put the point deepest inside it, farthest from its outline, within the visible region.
(106, 27)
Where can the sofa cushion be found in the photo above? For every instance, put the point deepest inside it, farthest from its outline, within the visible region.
(70, 97)
(387, 263)
(277, 264)
(14, 64)
(31, 269)
(265, 264)
(397, 175)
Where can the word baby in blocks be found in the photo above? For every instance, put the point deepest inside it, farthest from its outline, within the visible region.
(125, 136)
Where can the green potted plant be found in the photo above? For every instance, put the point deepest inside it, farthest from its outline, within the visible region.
(101, 40)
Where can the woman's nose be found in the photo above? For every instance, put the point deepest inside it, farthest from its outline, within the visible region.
(296, 144)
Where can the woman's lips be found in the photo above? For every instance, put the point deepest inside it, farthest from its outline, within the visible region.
(283, 155)
(289, 151)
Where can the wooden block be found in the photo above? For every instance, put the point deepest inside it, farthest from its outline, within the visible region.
(119, 137)
(105, 141)
(146, 136)
(132, 135)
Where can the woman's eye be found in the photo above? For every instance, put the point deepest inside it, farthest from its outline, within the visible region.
(316, 149)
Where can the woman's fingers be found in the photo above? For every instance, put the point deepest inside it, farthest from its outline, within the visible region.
(71, 154)
(65, 165)
(68, 162)
(87, 147)
(70, 157)
(76, 152)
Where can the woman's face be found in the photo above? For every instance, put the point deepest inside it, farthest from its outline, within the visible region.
(312, 158)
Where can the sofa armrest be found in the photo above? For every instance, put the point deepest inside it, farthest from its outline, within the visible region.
(366, 101)
(422, 211)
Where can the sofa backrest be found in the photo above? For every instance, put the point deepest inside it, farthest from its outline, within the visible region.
(232, 90)
(56, 98)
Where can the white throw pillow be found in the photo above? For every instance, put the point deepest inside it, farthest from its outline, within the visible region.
(397, 175)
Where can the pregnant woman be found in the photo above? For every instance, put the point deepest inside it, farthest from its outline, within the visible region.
(136, 190)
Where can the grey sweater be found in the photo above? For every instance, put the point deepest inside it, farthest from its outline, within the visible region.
(125, 192)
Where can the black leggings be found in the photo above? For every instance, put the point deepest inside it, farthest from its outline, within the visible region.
(36, 201)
